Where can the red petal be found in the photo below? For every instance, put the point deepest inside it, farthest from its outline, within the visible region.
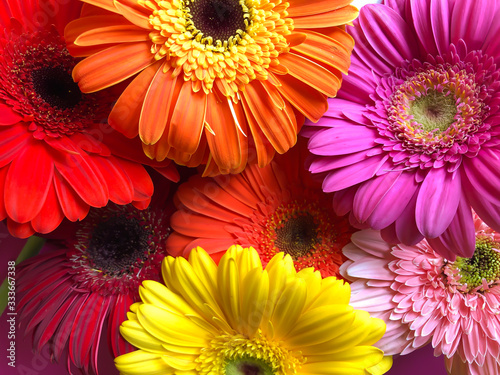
(8, 116)
(28, 182)
(12, 140)
(50, 215)
(73, 207)
(82, 173)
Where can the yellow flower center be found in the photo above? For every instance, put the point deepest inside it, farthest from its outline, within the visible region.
(237, 354)
(224, 42)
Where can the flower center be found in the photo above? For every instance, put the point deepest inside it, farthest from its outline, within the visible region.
(433, 111)
(247, 366)
(306, 229)
(116, 243)
(56, 87)
(479, 272)
(222, 43)
(35, 81)
(237, 354)
(296, 235)
(219, 22)
(436, 113)
(117, 247)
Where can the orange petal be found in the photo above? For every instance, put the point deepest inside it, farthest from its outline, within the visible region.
(327, 19)
(112, 34)
(313, 74)
(112, 65)
(310, 102)
(327, 50)
(186, 126)
(306, 8)
(337, 33)
(225, 145)
(124, 116)
(273, 121)
(134, 13)
(106, 4)
(158, 106)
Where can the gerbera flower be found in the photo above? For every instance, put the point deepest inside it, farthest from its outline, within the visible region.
(411, 142)
(423, 297)
(237, 318)
(277, 208)
(223, 82)
(69, 296)
(54, 158)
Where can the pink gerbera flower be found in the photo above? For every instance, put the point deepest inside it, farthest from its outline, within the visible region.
(411, 142)
(423, 297)
(68, 297)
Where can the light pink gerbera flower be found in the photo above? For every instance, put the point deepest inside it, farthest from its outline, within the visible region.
(412, 140)
(423, 297)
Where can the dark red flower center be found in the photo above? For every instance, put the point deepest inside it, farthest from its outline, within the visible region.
(298, 235)
(117, 247)
(217, 19)
(116, 243)
(36, 82)
(56, 87)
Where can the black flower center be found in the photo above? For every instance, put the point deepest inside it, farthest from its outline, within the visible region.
(218, 19)
(55, 86)
(297, 235)
(116, 243)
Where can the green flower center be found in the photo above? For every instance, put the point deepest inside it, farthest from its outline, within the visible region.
(248, 366)
(484, 265)
(434, 111)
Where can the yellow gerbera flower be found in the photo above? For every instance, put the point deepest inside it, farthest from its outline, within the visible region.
(238, 319)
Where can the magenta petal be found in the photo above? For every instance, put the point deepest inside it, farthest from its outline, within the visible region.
(328, 163)
(440, 21)
(483, 172)
(342, 138)
(388, 34)
(487, 211)
(437, 201)
(389, 235)
(371, 192)
(391, 206)
(421, 16)
(459, 238)
(353, 174)
(406, 226)
(342, 200)
(467, 13)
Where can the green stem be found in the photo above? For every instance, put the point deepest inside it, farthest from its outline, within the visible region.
(32, 247)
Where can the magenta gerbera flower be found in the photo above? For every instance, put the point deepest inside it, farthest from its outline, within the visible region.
(412, 141)
(58, 156)
(68, 297)
(423, 297)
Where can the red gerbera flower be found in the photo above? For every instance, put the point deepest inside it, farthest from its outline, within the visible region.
(272, 209)
(54, 157)
(68, 296)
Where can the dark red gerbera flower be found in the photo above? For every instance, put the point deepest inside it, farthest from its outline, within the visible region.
(67, 297)
(55, 159)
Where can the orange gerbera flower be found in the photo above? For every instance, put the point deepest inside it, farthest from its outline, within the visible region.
(277, 208)
(221, 82)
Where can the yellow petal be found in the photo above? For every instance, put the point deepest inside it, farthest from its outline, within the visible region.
(289, 307)
(142, 363)
(135, 334)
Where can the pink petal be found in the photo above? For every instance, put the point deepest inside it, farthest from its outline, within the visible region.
(467, 13)
(406, 226)
(388, 34)
(342, 138)
(483, 172)
(393, 203)
(440, 21)
(460, 237)
(353, 174)
(437, 201)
